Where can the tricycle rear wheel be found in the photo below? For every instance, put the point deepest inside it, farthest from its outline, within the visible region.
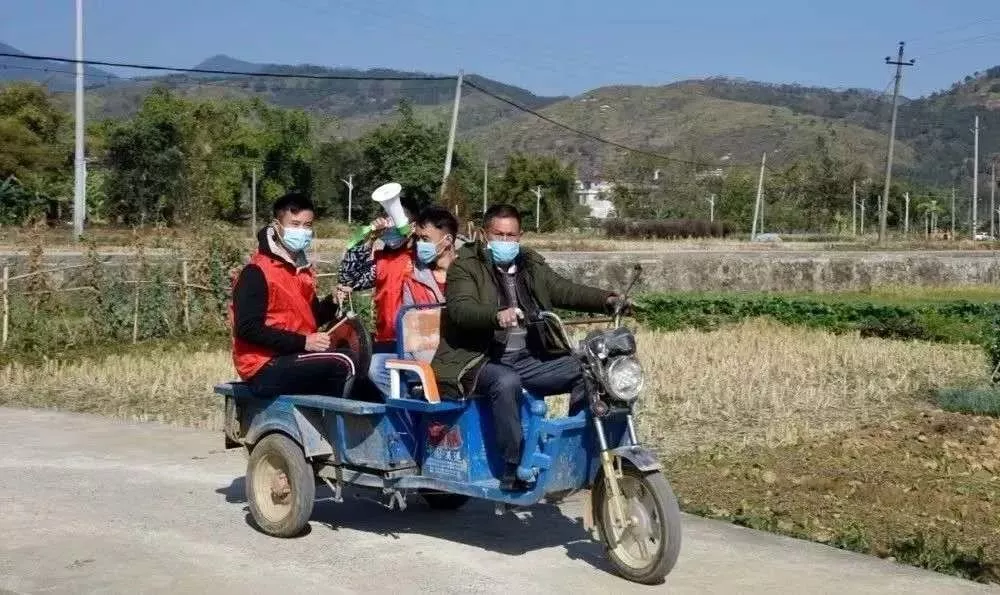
(443, 500)
(280, 486)
(648, 548)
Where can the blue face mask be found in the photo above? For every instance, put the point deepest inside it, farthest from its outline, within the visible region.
(296, 239)
(427, 252)
(502, 251)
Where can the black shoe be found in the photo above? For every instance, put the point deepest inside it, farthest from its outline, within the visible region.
(510, 482)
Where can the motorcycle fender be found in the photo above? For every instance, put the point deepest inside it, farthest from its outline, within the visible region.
(588, 511)
(641, 458)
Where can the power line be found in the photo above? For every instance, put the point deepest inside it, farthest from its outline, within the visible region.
(288, 75)
(584, 133)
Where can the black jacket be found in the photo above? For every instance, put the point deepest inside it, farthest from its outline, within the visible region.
(250, 302)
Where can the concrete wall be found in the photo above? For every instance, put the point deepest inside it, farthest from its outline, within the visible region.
(743, 271)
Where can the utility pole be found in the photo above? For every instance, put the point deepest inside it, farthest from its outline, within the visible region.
(537, 191)
(349, 182)
(253, 201)
(975, 179)
(906, 217)
(993, 204)
(79, 161)
(854, 208)
(884, 206)
(451, 133)
(711, 207)
(953, 213)
(760, 190)
(862, 216)
(486, 177)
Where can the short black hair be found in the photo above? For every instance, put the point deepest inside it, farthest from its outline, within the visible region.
(501, 211)
(412, 199)
(439, 217)
(293, 202)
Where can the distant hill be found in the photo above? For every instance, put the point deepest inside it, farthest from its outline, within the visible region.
(57, 76)
(721, 120)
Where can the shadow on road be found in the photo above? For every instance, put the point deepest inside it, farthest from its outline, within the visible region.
(475, 524)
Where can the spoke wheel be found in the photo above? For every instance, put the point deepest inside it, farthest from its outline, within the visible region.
(644, 548)
(281, 486)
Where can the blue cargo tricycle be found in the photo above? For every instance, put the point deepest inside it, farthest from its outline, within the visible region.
(443, 450)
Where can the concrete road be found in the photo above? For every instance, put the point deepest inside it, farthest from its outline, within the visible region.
(91, 505)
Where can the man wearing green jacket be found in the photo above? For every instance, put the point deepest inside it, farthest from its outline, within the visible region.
(490, 346)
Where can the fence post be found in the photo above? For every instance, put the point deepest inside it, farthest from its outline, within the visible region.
(184, 296)
(135, 309)
(6, 305)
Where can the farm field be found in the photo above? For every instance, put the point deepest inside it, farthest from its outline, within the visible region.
(788, 429)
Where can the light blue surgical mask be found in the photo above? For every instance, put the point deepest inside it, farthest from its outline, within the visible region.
(503, 251)
(296, 239)
(427, 252)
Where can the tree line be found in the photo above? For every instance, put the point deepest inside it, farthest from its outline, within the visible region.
(182, 160)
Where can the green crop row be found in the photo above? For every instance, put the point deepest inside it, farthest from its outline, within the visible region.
(955, 321)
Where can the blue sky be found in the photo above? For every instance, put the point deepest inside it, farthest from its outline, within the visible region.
(547, 46)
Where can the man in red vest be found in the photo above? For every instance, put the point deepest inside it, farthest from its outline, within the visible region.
(276, 313)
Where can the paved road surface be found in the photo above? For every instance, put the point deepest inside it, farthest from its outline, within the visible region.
(91, 505)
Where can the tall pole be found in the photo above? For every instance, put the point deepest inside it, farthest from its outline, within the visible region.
(952, 212)
(253, 200)
(993, 204)
(451, 133)
(975, 179)
(854, 207)
(906, 216)
(537, 190)
(760, 190)
(862, 216)
(486, 177)
(884, 205)
(80, 164)
(711, 208)
(349, 182)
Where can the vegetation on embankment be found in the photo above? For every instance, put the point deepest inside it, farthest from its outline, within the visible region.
(947, 316)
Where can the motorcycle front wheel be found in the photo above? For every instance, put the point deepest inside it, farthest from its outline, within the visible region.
(646, 550)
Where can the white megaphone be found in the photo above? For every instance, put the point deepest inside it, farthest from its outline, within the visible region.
(388, 195)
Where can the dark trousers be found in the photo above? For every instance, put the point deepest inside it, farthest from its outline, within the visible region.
(501, 382)
(322, 373)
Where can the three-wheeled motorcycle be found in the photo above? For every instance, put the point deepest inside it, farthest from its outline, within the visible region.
(413, 442)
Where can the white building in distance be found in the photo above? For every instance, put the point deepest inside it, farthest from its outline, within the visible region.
(597, 197)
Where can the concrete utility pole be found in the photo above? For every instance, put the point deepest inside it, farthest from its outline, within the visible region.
(862, 204)
(349, 182)
(760, 190)
(79, 161)
(537, 191)
(906, 217)
(711, 207)
(451, 133)
(952, 212)
(975, 179)
(854, 207)
(993, 204)
(884, 205)
(253, 201)
(486, 177)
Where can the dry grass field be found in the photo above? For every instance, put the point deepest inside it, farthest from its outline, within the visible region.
(796, 431)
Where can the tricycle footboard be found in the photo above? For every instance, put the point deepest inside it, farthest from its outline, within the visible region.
(561, 453)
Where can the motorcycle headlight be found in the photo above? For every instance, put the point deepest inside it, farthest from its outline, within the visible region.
(624, 378)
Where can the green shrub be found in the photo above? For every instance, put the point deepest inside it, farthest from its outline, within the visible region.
(975, 400)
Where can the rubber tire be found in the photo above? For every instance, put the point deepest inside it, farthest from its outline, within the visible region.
(300, 478)
(439, 501)
(670, 528)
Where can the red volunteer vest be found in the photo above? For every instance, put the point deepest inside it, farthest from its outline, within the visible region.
(393, 273)
(290, 294)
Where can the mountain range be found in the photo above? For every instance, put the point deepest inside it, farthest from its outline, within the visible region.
(715, 120)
